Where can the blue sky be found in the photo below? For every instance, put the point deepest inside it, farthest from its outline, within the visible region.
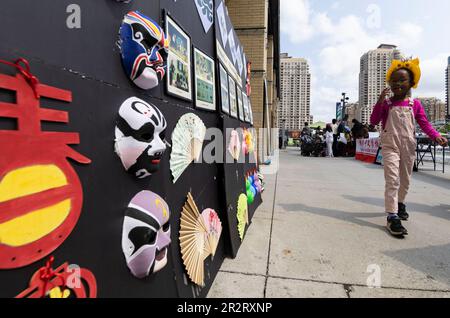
(333, 34)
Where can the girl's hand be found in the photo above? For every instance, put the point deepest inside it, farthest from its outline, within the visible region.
(442, 141)
(383, 95)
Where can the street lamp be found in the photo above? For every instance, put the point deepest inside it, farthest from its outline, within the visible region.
(344, 102)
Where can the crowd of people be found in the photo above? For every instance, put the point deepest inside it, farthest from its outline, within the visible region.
(337, 139)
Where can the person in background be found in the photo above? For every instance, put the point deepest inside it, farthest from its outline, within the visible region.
(329, 138)
(342, 126)
(319, 132)
(334, 127)
(306, 130)
(357, 129)
(398, 116)
(341, 145)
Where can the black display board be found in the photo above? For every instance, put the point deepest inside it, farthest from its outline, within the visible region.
(229, 54)
(235, 173)
(86, 61)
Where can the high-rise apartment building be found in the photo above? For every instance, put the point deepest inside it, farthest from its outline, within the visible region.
(351, 111)
(372, 78)
(435, 109)
(447, 88)
(295, 99)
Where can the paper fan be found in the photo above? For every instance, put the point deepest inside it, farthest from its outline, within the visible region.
(214, 229)
(187, 143)
(235, 145)
(193, 236)
(242, 215)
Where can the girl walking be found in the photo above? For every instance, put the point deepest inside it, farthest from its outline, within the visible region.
(329, 139)
(399, 115)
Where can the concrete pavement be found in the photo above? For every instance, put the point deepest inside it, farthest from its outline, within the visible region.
(321, 233)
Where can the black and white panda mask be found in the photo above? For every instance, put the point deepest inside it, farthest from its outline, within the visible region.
(140, 137)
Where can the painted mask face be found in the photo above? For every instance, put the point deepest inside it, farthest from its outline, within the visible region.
(140, 137)
(146, 234)
(144, 49)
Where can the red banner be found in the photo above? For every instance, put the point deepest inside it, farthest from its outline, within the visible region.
(367, 149)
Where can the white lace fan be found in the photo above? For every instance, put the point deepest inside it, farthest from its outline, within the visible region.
(193, 236)
(187, 143)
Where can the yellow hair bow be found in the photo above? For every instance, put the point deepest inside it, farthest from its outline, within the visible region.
(412, 65)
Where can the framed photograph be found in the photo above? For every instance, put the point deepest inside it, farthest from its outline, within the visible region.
(178, 61)
(240, 103)
(205, 90)
(224, 92)
(233, 97)
(246, 110)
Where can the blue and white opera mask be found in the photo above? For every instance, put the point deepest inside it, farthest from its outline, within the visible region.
(144, 49)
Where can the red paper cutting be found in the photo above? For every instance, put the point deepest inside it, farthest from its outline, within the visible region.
(80, 282)
(29, 146)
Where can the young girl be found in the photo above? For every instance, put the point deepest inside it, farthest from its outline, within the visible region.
(329, 140)
(398, 116)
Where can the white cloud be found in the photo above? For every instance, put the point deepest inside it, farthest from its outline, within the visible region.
(295, 20)
(407, 37)
(323, 23)
(344, 46)
(432, 83)
(336, 5)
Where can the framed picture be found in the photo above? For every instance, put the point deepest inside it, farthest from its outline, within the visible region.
(179, 61)
(205, 90)
(233, 97)
(246, 110)
(240, 103)
(224, 92)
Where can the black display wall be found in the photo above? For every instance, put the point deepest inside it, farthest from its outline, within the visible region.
(235, 174)
(86, 61)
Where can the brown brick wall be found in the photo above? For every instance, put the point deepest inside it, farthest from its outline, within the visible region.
(248, 14)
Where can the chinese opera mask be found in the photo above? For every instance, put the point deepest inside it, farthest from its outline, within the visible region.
(146, 234)
(144, 50)
(140, 137)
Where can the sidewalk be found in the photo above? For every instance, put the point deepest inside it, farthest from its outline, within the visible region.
(322, 226)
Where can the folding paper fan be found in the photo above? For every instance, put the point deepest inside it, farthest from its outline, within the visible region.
(248, 141)
(187, 143)
(235, 145)
(242, 215)
(193, 236)
(214, 229)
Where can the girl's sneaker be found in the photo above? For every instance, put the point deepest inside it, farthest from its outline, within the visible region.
(402, 214)
(395, 227)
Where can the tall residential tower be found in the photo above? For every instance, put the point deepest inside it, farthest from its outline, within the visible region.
(295, 100)
(372, 78)
(447, 88)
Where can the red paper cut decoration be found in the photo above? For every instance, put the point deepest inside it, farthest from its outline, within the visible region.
(64, 282)
(40, 193)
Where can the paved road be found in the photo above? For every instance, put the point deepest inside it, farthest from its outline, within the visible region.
(321, 228)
